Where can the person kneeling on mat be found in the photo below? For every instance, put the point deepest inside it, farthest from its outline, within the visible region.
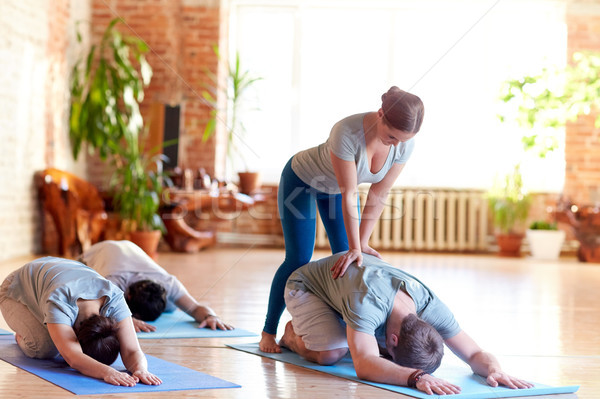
(149, 289)
(60, 306)
(394, 326)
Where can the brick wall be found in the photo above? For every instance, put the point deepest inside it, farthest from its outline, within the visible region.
(37, 51)
(180, 34)
(582, 146)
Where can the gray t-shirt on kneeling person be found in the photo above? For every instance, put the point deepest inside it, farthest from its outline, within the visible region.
(124, 263)
(364, 296)
(50, 288)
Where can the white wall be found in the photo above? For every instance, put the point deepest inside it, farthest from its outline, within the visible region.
(322, 60)
(33, 111)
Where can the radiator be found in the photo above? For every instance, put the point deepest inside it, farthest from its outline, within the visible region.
(427, 220)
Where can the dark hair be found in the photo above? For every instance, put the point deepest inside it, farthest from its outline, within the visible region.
(97, 336)
(420, 346)
(402, 110)
(146, 300)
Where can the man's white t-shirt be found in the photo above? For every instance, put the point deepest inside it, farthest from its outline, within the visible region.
(124, 263)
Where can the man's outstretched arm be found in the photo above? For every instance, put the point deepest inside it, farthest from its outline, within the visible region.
(483, 363)
(370, 366)
(202, 314)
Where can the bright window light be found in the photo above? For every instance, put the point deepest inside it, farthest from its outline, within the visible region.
(324, 60)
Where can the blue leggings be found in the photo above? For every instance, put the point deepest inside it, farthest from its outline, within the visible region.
(298, 202)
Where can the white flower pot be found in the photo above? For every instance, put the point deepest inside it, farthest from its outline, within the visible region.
(545, 244)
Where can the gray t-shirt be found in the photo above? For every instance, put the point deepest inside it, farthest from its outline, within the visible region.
(124, 263)
(364, 296)
(50, 288)
(347, 142)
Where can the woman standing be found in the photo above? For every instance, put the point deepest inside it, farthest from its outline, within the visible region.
(57, 305)
(371, 148)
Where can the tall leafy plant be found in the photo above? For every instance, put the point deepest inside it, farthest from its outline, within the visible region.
(106, 89)
(509, 202)
(553, 97)
(237, 82)
(139, 181)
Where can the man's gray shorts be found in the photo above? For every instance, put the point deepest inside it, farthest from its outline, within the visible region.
(320, 327)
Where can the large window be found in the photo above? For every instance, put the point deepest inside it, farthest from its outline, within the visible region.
(324, 60)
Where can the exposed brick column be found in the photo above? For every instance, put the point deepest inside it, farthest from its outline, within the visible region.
(202, 26)
(57, 75)
(180, 34)
(582, 143)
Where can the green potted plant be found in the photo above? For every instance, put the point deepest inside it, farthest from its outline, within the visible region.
(138, 183)
(238, 81)
(107, 86)
(509, 205)
(550, 99)
(545, 240)
(554, 96)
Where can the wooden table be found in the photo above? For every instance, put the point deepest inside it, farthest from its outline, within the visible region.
(178, 203)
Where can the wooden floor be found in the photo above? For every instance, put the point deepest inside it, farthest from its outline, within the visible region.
(541, 319)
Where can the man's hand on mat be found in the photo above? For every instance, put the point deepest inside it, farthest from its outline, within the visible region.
(140, 325)
(344, 261)
(502, 378)
(432, 385)
(145, 377)
(213, 322)
(116, 377)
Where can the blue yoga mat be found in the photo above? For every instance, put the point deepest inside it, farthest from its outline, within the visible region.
(473, 386)
(4, 332)
(180, 325)
(58, 372)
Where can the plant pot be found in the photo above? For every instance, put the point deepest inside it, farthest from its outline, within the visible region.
(545, 244)
(588, 253)
(509, 244)
(147, 240)
(249, 182)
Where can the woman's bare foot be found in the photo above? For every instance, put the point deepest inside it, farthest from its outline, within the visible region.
(268, 343)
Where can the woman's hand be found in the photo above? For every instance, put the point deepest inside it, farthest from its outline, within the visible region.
(213, 322)
(500, 377)
(370, 251)
(115, 377)
(140, 325)
(430, 385)
(353, 255)
(145, 377)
